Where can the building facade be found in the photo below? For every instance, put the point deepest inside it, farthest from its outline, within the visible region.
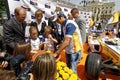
(101, 10)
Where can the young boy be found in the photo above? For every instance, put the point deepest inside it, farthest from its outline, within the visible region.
(34, 39)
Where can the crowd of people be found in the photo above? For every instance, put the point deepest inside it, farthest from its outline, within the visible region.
(60, 33)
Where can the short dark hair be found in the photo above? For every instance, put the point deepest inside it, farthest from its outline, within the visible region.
(74, 10)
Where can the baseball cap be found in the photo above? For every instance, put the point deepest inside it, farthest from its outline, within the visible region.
(57, 15)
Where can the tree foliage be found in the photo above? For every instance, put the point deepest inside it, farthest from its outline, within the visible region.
(2, 5)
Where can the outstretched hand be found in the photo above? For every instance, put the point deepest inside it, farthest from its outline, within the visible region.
(4, 64)
(56, 55)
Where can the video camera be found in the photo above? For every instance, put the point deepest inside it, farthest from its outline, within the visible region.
(21, 74)
(15, 64)
(24, 73)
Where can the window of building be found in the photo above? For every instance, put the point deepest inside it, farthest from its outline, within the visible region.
(106, 12)
(110, 11)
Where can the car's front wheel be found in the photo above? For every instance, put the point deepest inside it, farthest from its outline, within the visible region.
(93, 64)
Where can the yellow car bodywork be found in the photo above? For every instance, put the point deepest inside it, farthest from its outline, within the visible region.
(110, 51)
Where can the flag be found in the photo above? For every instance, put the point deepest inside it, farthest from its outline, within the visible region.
(91, 22)
(114, 18)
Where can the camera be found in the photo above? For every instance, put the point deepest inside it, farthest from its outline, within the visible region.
(21, 73)
(15, 64)
(24, 73)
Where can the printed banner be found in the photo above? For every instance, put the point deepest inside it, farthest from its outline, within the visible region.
(47, 5)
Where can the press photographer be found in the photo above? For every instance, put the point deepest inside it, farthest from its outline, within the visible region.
(11, 62)
(15, 65)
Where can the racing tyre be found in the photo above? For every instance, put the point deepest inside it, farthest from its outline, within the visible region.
(93, 64)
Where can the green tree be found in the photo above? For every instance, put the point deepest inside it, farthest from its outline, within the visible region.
(2, 5)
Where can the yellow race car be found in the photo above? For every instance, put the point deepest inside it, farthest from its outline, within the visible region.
(104, 56)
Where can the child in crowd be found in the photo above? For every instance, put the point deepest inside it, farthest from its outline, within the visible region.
(23, 48)
(44, 67)
(7, 75)
(34, 39)
(22, 52)
(49, 40)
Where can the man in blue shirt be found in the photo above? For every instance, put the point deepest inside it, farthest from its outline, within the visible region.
(72, 42)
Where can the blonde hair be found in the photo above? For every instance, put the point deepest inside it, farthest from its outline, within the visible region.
(75, 10)
(44, 67)
(58, 9)
(39, 12)
(32, 28)
(48, 29)
(7, 75)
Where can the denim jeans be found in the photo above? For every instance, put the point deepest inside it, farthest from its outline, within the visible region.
(73, 59)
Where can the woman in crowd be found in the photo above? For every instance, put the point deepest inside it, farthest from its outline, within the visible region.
(39, 23)
(44, 67)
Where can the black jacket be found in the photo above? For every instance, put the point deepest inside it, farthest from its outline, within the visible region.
(13, 32)
(54, 26)
(42, 29)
